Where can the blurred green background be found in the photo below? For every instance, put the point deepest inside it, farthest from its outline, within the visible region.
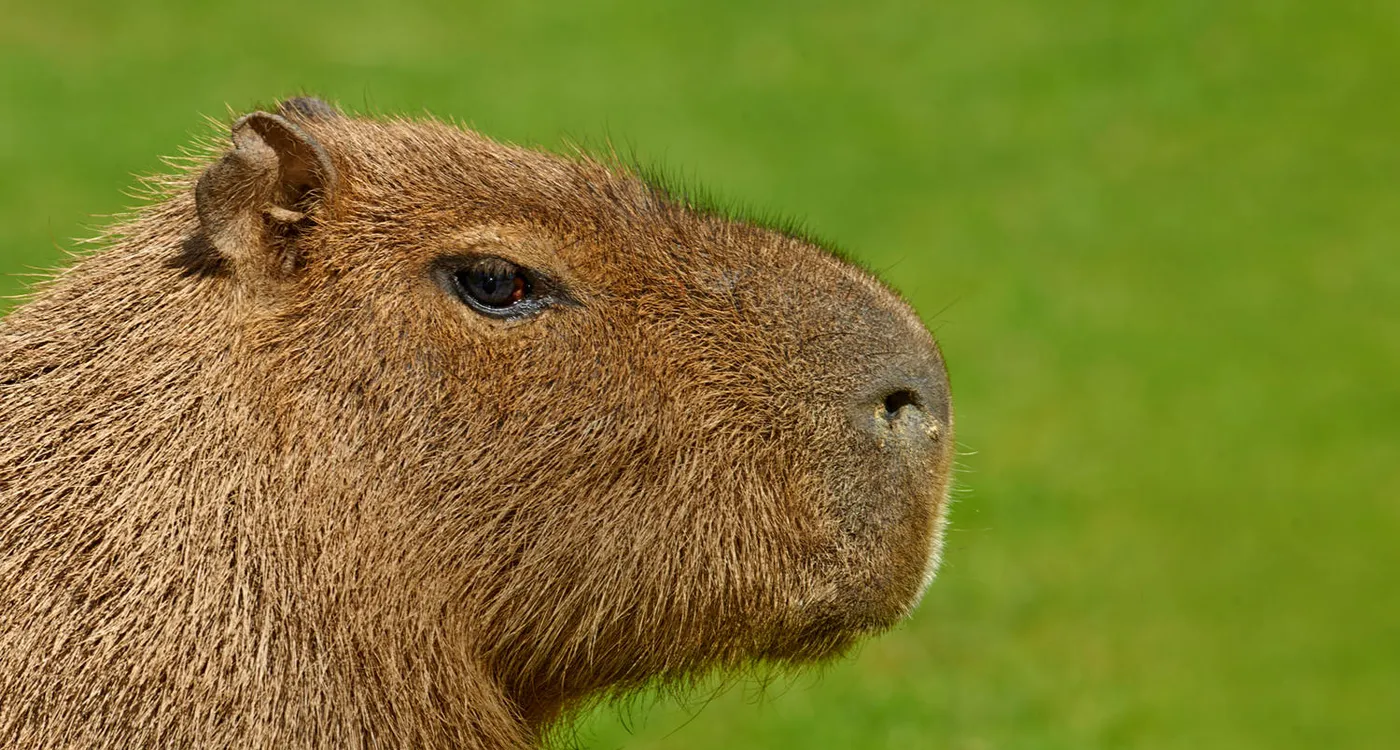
(1158, 241)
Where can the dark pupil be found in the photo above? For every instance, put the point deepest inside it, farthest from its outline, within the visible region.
(494, 283)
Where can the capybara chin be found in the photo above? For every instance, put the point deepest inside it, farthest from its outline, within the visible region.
(377, 433)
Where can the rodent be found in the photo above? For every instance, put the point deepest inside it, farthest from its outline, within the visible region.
(378, 433)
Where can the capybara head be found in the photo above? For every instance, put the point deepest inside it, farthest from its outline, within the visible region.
(381, 432)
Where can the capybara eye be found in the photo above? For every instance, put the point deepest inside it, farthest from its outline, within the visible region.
(498, 288)
(493, 283)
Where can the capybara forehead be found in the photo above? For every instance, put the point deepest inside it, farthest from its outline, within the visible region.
(440, 180)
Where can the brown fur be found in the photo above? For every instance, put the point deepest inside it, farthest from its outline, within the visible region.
(263, 483)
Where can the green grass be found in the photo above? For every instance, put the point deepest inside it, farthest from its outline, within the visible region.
(1164, 238)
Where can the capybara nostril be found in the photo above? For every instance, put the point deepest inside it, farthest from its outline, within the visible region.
(906, 403)
(897, 401)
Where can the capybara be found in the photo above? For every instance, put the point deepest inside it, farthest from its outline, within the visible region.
(376, 433)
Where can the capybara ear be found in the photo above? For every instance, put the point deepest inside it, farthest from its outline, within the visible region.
(255, 201)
